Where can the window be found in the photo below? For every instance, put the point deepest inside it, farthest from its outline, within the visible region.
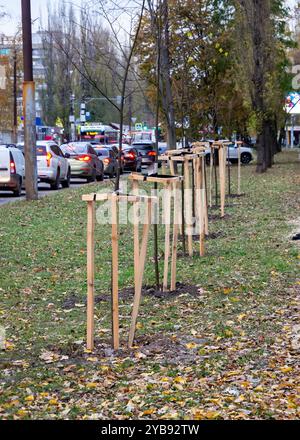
(55, 150)
(41, 150)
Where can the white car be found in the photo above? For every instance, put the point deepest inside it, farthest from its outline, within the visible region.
(246, 154)
(53, 167)
(12, 169)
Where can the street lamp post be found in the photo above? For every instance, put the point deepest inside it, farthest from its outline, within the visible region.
(29, 106)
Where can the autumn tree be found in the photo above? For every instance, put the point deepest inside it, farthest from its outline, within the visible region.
(263, 53)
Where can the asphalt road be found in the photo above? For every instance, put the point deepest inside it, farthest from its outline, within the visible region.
(44, 190)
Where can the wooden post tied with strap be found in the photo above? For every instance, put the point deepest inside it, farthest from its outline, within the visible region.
(170, 184)
(139, 257)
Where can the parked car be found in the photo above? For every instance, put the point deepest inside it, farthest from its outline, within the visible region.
(146, 150)
(83, 160)
(12, 169)
(246, 154)
(162, 148)
(109, 160)
(52, 165)
(132, 160)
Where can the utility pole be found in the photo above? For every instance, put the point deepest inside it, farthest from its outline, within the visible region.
(15, 124)
(72, 118)
(29, 106)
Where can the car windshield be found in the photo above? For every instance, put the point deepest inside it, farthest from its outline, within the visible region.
(74, 149)
(103, 153)
(41, 150)
(143, 147)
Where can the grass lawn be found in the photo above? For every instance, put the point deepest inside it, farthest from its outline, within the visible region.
(229, 352)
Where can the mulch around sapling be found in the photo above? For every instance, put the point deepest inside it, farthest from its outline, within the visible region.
(163, 348)
(128, 293)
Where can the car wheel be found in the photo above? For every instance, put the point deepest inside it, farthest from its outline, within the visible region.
(92, 178)
(18, 191)
(246, 158)
(55, 185)
(66, 183)
(100, 177)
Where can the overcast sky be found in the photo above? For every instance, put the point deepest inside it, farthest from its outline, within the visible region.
(38, 9)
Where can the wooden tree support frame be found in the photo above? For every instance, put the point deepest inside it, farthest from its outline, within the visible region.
(170, 184)
(222, 149)
(239, 143)
(187, 160)
(139, 261)
(201, 208)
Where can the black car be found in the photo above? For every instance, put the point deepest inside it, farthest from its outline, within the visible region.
(131, 159)
(146, 150)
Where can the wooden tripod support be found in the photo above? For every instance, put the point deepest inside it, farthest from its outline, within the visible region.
(221, 148)
(239, 143)
(139, 259)
(187, 159)
(170, 184)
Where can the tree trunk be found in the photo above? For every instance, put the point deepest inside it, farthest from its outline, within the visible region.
(166, 84)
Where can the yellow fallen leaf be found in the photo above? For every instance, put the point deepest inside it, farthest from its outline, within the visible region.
(139, 325)
(29, 398)
(227, 290)
(179, 379)
(44, 394)
(104, 368)
(140, 355)
(22, 413)
(259, 388)
(241, 316)
(148, 412)
(9, 345)
(92, 385)
(191, 345)
(205, 415)
(286, 369)
(92, 359)
(53, 402)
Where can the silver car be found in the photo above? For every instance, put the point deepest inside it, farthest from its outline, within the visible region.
(246, 153)
(83, 161)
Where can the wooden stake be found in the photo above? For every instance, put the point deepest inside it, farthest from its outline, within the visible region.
(211, 175)
(239, 169)
(167, 215)
(201, 210)
(205, 195)
(188, 207)
(222, 167)
(140, 273)
(115, 264)
(172, 168)
(176, 191)
(135, 191)
(90, 273)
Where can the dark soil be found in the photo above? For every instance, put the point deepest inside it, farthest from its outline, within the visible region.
(128, 292)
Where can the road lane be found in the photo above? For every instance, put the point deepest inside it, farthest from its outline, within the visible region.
(44, 190)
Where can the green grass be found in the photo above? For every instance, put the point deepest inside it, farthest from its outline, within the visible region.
(196, 357)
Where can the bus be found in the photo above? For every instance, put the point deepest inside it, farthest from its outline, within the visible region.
(99, 133)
